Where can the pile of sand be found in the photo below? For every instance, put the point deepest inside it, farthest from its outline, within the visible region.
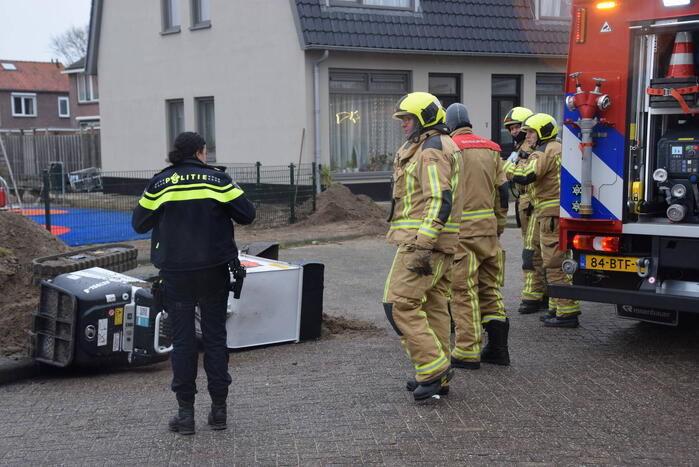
(334, 326)
(338, 203)
(21, 241)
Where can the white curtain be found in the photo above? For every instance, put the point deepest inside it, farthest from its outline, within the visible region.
(552, 105)
(363, 136)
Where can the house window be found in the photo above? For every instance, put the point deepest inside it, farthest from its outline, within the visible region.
(175, 119)
(87, 89)
(363, 136)
(549, 94)
(23, 104)
(399, 4)
(446, 87)
(553, 9)
(171, 16)
(63, 107)
(506, 92)
(206, 125)
(201, 13)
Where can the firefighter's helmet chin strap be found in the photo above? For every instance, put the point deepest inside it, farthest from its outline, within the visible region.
(415, 136)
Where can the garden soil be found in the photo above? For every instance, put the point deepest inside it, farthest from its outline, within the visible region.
(21, 241)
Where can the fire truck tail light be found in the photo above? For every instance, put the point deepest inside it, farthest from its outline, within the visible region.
(580, 25)
(610, 244)
(606, 5)
(596, 243)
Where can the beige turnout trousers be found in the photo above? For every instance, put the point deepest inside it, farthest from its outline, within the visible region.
(477, 275)
(419, 312)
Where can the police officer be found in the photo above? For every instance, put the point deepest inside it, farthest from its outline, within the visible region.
(191, 206)
(478, 271)
(424, 223)
(533, 292)
(543, 174)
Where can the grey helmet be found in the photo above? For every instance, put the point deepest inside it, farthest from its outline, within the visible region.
(457, 117)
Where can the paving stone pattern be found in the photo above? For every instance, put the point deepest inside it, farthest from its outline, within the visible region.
(609, 392)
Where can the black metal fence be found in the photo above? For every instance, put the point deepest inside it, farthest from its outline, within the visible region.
(92, 206)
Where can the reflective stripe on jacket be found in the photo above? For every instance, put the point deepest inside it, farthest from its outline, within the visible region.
(545, 162)
(425, 192)
(191, 206)
(482, 214)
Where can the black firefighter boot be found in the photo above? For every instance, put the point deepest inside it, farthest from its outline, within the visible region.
(217, 416)
(435, 386)
(183, 422)
(533, 306)
(496, 350)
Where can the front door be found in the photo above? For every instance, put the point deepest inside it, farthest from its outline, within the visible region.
(506, 93)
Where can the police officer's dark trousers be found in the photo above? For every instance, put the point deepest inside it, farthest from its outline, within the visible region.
(209, 289)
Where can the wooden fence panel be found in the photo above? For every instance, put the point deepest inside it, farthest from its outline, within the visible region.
(31, 153)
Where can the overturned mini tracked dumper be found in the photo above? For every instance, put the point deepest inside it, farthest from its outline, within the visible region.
(96, 317)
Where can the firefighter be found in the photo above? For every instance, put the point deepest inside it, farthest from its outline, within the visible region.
(543, 174)
(191, 206)
(533, 292)
(479, 264)
(424, 225)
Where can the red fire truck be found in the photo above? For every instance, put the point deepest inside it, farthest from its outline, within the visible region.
(630, 164)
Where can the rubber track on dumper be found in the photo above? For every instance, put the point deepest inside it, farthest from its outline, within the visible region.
(116, 257)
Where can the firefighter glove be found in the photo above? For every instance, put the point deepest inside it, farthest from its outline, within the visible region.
(417, 260)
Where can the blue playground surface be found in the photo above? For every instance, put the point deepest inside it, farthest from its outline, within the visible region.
(81, 226)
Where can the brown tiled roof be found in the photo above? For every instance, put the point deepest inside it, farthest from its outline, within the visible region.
(33, 76)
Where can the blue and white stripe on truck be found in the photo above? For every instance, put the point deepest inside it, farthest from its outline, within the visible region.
(607, 171)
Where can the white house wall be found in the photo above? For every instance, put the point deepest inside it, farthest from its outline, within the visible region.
(249, 61)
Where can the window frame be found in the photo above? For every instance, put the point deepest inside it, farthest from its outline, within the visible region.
(86, 79)
(360, 4)
(23, 96)
(561, 93)
(66, 99)
(195, 15)
(495, 114)
(459, 88)
(369, 79)
(167, 19)
(547, 92)
(538, 16)
(368, 74)
(198, 102)
(169, 127)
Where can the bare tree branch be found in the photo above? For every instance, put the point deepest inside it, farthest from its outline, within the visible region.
(71, 46)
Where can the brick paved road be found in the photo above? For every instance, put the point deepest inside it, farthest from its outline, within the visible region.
(609, 392)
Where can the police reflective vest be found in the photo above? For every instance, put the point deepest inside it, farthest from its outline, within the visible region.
(191, 207)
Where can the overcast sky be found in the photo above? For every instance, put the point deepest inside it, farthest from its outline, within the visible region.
(26, 26)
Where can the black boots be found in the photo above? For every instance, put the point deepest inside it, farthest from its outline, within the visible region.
(566, 321)
(430, 388)
(412, 384)
(183, 422)
(217, 416)
(458, 363)
(496, 350)
(548, 315)
(533, 306)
